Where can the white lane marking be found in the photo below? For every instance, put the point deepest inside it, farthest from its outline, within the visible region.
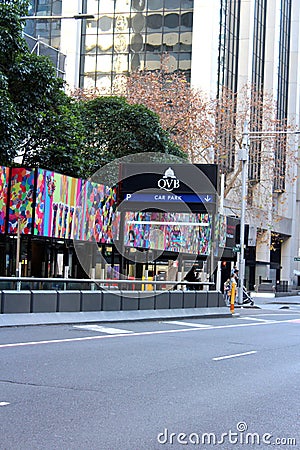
(143, 333)
(187, 324)
(4, 403)
(101, 329)
(256, 319)
(287, 313)
(219, 358)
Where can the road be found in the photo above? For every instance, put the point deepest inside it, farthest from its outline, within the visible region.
(230, 382)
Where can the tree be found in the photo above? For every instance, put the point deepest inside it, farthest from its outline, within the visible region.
(51, 131)
(114, 128)
(40, 124)
(12, 43)
(186, 113)
(8, 123)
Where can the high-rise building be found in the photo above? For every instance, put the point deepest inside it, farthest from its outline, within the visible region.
(219, 44)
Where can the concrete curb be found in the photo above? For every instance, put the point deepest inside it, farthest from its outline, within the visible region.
(64, 318)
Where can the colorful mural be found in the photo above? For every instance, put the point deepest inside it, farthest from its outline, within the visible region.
(174, 232)
(71, 208)
(21, 200)
(56, 197)
(95, 213)
(4, 176)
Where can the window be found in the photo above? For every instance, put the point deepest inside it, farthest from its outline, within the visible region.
(227, 82)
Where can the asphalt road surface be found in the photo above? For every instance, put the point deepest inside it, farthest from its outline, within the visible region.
(208, 383)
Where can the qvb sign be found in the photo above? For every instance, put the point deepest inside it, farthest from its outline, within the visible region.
(180, 186)
(169, 182)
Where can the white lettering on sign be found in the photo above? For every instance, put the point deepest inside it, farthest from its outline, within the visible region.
(169, 181)
(174, 197)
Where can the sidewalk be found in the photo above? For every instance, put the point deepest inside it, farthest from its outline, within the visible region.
(265, 302)
(13, 320)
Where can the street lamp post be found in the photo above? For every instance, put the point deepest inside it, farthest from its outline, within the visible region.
(243, 157)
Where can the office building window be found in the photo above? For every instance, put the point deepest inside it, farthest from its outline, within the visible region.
(282, 99)
(128, 35)
(49, 31)
(258, 65)
(227, 83)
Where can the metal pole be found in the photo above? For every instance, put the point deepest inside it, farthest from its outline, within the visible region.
(243, 157)
(18, 252)
(221, 211)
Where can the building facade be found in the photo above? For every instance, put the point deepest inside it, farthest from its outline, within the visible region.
(218, 44)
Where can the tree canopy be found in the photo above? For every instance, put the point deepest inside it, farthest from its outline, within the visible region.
(41, 125)
(114, 128)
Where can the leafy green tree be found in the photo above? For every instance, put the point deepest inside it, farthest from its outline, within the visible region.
(51, 131)
(8, 123)
(40, 124)
(114, 128)
(12, 43)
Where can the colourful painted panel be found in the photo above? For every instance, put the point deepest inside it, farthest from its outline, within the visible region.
(173, 232)
(68, 208)
(95, 217)
(21, 200)
(55, 204)
(4, 174)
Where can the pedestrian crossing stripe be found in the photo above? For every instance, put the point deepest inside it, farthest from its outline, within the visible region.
(102, 329)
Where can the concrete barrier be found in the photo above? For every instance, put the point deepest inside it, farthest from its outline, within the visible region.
(162, 300)
(68, 301)
(91, 301)
(213, 299)
(176, 299)
(221, 300)
(37, 301)
(189, 299)
(111, 301)
(130, 300)
(146, 300)
(15, 302)
(202, 299)
(43, 301)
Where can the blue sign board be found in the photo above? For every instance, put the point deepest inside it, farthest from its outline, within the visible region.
(170, 197)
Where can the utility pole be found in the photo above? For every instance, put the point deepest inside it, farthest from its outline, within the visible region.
(243, 157)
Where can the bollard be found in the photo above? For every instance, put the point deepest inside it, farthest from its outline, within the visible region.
(232, 297)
